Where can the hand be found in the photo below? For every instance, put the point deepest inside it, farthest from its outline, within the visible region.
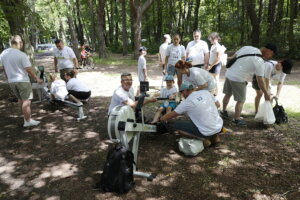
(39, 81)
(172, 97)
(164, 72)
(267, 97)
(56, 70)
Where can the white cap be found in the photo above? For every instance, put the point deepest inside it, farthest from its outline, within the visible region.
(167, 36)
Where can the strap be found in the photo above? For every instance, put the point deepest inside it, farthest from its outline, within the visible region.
(258, 55)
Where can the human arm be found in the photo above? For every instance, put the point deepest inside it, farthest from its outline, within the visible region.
(262, 86)
(169, 116)
(201, 87)
(166, 64)
(33, 75)
(145, 74)
(216, 61)
(75, 62)
(206, 59)
(279, 87)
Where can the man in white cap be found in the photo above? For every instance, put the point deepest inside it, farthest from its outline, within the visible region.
(163, 51)
(200, 106)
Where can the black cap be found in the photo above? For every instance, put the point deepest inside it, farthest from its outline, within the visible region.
(287, 66)
(272, 47)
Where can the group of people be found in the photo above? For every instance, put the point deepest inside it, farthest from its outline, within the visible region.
(197, 69)
(17, 69)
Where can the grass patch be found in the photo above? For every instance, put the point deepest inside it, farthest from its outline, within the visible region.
(293, 114)
(117, 61)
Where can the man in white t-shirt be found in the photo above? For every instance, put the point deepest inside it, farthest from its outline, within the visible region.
(236, 77)
(197, 50)
(273, 71)
(124, 94)
(200, 107)
(163, 51)
(17, 67)
(64, 59)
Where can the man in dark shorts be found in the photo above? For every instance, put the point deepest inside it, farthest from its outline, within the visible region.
(205, 121)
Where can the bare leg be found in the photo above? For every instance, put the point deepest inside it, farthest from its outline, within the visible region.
(259, 94)
(216, 76)
(226, 101)
(169, 109)
(238, 109)
(26, 110)
(157, 115)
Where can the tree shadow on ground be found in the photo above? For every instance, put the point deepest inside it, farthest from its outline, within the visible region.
(63, 158)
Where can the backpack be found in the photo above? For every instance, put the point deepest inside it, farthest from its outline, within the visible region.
(117, 174)
(280, 114)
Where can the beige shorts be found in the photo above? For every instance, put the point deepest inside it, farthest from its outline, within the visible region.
(237, 89)
(22, 90)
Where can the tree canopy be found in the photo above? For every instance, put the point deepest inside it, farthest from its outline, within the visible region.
(122, 26)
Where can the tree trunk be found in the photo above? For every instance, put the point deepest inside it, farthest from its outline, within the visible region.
(116, 11)
(138, 10)
(255, 23)
(79, 25)
(93, 24)
(159, 23)
(124, 30)
(101, 13)
(293, 16)
(195, 26)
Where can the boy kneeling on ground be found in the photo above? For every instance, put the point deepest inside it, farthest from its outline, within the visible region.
(200, 106)
(168, 92)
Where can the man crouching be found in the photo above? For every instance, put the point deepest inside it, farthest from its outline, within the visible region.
(200, 106)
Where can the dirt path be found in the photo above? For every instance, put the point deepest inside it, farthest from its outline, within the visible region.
(62, 158)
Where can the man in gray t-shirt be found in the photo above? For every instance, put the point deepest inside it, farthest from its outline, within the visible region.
(17, 67)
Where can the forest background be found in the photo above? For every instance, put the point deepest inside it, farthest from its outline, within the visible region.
(121, 26)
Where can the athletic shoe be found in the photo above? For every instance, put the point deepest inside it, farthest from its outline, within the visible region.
(31, 123)
(239, 122)
(224, 114)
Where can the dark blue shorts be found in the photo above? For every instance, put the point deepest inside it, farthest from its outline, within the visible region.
(189, 127)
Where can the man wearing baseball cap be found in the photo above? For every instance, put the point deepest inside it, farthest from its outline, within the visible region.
(237, 75)
(205, 121)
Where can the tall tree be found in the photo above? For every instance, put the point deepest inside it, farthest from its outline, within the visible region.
(138, 9)
(255, 23)
(293, 16)
(124, 30)
(195, 26)
(74, 39)
(101, 13)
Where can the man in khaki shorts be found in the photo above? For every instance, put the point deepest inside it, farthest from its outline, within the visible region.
(17, 67)
(236, 77)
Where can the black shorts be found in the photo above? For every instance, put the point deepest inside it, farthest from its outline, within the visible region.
(80, 95)
(216, 69)
(255, 83)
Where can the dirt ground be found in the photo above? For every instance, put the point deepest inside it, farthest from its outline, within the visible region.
(63, 158)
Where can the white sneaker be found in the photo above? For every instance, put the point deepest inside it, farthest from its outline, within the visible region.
(31, 123)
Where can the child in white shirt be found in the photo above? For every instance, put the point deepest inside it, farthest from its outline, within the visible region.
(168, 92)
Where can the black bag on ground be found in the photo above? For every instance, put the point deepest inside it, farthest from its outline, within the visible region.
(231, 61)
(117, 174)
(280, 114)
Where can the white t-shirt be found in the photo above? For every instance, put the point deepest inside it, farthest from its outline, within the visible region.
(200, 76)
(64, 57)
(166, 93)
(76, 85)
(175, 53)
(200, 107)
(214, 50)
(163, 51)
(59, 89)
(119, 97)
(14, 62)
(141, 65)
(246, 66)
(272, 73)
(196, 50)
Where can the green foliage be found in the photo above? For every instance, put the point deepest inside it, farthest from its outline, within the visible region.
(113, 61)
(4, 29)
